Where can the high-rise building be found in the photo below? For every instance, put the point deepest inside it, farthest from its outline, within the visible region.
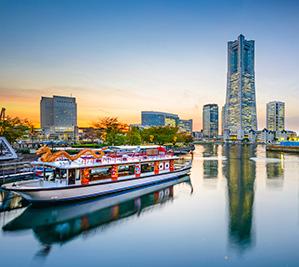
(156, 118)
(222, 119)
(46, 112)
(240, 106)
(210, 120)
(58, 114)
(275, 116)
(186, 125)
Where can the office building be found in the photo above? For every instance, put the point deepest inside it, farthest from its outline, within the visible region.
(240, 106)
(275, 116)
(156, 118)
(210, 120)
(58, 115)
(186, 125)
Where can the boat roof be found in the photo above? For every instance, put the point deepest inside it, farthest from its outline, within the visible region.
(107, 161)
(135, 147)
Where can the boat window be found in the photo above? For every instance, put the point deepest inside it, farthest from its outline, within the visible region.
(147, 167)
(100, 173)
(59, 173)
(56, 173)
(125, 170)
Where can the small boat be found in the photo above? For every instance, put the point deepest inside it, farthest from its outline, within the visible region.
(92, 173)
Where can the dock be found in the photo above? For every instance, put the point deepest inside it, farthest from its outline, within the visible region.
(15, 171)
(285, 146)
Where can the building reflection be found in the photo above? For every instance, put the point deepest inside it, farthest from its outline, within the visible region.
(240, 173)
(275, 170)
(210, 164)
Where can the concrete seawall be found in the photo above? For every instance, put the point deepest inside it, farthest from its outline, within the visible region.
(279, 148)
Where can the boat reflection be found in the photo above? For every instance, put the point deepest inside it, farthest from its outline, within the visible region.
(60, 224)
(240, 173)
(10, 201)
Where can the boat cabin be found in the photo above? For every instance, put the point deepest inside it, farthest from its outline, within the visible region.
(116, 163)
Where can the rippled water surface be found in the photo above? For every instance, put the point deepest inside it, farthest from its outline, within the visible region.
(239, 207)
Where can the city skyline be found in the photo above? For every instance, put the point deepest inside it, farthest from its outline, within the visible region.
(119, 63)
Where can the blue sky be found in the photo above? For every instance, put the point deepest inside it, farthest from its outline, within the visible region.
(121, 57)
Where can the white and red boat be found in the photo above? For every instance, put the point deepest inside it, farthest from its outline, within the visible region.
(93, 173)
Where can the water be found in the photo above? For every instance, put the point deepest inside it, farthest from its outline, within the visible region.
(240, 207)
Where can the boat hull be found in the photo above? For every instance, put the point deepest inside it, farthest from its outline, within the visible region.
(45, 195)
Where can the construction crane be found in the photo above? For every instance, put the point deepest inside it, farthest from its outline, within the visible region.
(2, 114)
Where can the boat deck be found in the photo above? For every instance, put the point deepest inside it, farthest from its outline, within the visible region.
(104, 161)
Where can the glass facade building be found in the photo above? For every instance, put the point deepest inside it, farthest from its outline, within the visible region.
(58, 113)
(186, 125)
(210, 120)
(156, 118)
(240, 105)
(275, 116)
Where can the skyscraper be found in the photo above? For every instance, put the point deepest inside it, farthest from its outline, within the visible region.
(240, 106)
(58, 114)
(210, 120)
(275, 116)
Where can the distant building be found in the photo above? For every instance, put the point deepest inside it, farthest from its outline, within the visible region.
(197, 135)
(58, 116)
(210, 120)
(265, 136)
(275, 116)
(285, 135)
(222, 119)
(186, 125)
(240, 106)
(156, 118)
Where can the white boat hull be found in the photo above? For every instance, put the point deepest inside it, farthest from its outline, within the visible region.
(92, 190)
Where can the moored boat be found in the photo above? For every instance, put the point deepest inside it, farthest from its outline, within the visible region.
(93, 173)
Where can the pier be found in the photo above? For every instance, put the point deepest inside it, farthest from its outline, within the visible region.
(15, 171)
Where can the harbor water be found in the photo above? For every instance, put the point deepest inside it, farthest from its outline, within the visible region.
(239, 207)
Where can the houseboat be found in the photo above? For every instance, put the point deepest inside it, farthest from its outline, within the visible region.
(93, 173)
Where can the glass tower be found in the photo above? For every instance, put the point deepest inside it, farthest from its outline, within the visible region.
(275, 116)
(240, 106)
(210, 120)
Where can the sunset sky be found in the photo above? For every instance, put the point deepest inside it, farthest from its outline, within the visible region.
(120, 57)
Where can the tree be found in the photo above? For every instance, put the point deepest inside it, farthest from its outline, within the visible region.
(184, 137)
(13, 128)
(31, 130)
(110, 130)
(160, 134)
(133, 136)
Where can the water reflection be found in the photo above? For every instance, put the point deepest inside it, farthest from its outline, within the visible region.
(240, 173)
(275, 170)
(210, 164)
(10, 201)
(62, 223)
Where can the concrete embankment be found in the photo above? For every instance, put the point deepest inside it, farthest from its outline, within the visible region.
(280, 148)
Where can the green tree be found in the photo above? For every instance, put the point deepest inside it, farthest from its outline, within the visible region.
(184, 137)
(133, 136)
(160, 134)
(111, 131)
(13, 128)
